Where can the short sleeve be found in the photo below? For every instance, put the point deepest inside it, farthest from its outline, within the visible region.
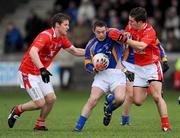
(66, 43)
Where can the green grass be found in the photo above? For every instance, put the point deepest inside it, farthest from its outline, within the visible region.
(145, 121)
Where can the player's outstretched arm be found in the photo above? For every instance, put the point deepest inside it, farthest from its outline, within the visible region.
(75, 51)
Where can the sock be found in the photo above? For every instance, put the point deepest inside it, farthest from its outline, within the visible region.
(111, 107)
(40, 122)
(18, 110)
(110, 98)
(164, 122)
(80, 123)
(125, 119)
(148, 90)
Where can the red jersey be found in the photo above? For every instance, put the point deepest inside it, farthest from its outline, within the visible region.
(151, 53)
(49, 45)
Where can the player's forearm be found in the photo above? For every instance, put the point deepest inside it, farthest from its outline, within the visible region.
(35, 57)
(136, 44)
(79, 52)
(76, 51)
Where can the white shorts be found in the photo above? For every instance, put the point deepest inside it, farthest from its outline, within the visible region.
(144, 74)
(129, 66)
(34, 85)
(109, 79)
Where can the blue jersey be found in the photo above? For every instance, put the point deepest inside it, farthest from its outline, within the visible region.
(112, 49)
(162, 52)
(129, 55)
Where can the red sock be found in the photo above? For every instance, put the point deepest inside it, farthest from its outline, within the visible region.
(148, 90)
(18, 110)
(165, 122)
(40, 122)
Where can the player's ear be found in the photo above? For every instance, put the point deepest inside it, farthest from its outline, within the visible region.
(93, 29)
(107, 29)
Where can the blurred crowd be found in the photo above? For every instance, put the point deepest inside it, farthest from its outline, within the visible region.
(163, 15)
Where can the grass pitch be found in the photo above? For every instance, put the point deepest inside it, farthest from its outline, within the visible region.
(145, 121)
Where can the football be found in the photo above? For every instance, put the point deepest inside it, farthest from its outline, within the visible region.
(101, 58)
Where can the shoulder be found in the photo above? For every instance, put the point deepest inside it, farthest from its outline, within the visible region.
(64, 38)
(48, 34)
(149, 29)
(91, 42)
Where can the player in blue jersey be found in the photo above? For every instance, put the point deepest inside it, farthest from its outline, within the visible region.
(111, 79)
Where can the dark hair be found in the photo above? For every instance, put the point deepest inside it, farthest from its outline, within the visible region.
(98, 23)
(59, 18)
(139, 14)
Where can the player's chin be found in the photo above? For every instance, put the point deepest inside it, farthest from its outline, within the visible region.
(101, 39)
(64, 33)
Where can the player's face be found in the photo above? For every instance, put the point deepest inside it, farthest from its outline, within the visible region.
(100, 33)
(61, 29)
(134, 24)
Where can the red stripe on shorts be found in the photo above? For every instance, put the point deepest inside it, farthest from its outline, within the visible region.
(159, 70)
(26, 80)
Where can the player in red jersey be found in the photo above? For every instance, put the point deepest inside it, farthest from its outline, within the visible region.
(33, 73)
(148, 70)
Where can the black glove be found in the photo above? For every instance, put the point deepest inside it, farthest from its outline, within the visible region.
(45, 75)
(165, 66)
(129, 74)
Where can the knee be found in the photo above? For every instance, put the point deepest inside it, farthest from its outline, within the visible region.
(92, 102)
(129, 98)
(40, 104)
(156, 98)
(119, 101)
(138, 103)
(51, 99)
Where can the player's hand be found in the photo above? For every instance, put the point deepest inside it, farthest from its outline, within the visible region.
(129, 74)
(100, 67)
(45, 75)
(117, 36)
(165, 66)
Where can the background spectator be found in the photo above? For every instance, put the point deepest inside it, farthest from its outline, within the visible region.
(33, 26)
(13, 41)
(80, 34)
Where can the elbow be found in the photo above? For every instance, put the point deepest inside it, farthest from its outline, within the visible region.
(31, 52)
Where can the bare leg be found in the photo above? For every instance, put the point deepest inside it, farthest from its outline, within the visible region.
(96, 93)
(140, 95)
(50, 99)
(119, 94)
(128, 99)
(33, 105)
(156, 88)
